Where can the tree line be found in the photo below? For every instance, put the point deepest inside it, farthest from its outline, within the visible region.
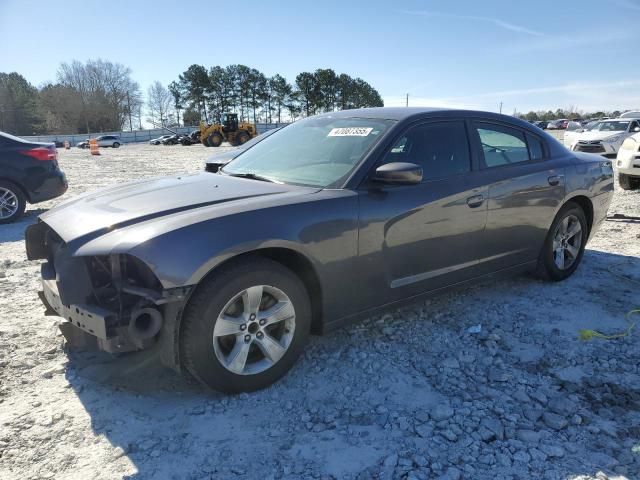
(201, 93)
(99, 96)
(567, 113)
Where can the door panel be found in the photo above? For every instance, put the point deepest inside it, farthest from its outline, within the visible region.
(419, 238)
(524, 194)
(521, 207)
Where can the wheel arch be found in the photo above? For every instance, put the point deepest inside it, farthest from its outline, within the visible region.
(23, 190)
(587, 207)
(293, 260)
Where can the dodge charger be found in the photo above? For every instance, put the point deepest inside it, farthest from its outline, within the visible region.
(328, 220)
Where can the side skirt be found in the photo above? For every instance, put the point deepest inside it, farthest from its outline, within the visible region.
(504, 273)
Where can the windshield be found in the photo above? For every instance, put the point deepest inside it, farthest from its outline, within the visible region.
(317, 151)
(612, 126)
(259, 138)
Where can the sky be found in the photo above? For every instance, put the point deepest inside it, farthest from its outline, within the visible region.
(527, 55)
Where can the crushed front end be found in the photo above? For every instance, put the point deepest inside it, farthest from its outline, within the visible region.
(113, 303)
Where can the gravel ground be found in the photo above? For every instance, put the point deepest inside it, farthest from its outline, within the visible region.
(411, 394)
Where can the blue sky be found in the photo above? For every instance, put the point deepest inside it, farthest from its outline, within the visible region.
(533, 54)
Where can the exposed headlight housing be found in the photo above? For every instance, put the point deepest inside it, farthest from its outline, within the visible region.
(612, 139)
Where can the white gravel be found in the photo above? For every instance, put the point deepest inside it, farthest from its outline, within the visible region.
(411, 394)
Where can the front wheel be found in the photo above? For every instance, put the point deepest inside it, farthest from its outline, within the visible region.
(116, 144)
(564, 246)
(245, 326)
(215, 140)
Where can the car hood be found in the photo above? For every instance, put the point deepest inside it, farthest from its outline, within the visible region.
(225, 157)
(97, 213)
(597, 135)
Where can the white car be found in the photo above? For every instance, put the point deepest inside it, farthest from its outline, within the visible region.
(628, 163)
(605, 139)
(158, 141)
(103, 141)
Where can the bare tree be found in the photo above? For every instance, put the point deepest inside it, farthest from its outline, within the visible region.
(158, 104)
(105, 91)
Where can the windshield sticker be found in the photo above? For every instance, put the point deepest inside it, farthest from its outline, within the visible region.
(350, 132)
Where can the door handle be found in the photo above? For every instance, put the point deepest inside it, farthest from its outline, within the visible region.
(475, 201)
(555, 180)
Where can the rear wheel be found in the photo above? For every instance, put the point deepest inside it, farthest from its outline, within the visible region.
(215, 140)
(245, 327)
(564, 246)
(242, 137)
(12, 202)
(628, 182)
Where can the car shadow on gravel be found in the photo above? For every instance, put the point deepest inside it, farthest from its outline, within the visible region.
(168, 426)
(14, 232)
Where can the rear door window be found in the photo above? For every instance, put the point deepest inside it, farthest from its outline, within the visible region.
(502, 145)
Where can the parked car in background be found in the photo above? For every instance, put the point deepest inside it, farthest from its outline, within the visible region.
(172, 139)
(541, 124)
(628, 163)
(333, 218)
(29, 173)
(217, 160)
(103, 141)
(605, 138)
(191, 139)
(558, 124)
(109, 141)
(631, 114)
(159, 140)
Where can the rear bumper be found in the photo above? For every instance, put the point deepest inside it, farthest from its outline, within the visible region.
(52, 186)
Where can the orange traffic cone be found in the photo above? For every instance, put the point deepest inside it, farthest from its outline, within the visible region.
(93, 145)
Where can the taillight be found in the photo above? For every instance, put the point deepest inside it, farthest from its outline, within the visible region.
(42, 153)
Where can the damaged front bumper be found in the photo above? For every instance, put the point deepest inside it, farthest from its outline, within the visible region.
(112, 303)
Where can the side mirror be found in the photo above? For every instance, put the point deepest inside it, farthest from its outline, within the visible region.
(636, 129)
(398, 173)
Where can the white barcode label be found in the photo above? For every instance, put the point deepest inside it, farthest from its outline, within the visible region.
(350, 132)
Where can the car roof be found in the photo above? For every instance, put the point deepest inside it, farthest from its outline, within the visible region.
(411, 113)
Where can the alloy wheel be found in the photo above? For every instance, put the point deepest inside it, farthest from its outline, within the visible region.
(567, 240)
(254, 330)
(8, 203)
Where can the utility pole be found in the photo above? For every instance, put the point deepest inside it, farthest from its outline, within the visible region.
(500, 107)
(407, 100)
(129, 111)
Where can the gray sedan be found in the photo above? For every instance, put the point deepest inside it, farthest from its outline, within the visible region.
(330, 220)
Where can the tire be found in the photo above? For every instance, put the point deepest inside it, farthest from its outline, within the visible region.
(206, 356)
(628, 182)
(215, 140)
(12, 202)
(242, 137)
(560, 263)
(116, 145)
(205, 141)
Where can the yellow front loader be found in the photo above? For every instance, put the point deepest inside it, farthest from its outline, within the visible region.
(229, 130)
